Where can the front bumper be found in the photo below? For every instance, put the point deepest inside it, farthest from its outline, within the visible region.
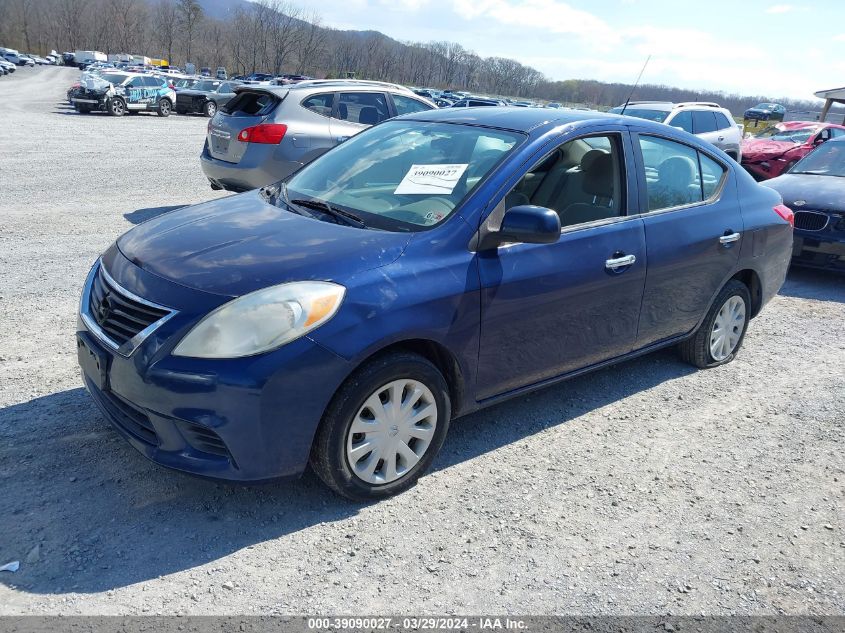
(247, 420)
(259, 167)
(766, 168)
(818, 251)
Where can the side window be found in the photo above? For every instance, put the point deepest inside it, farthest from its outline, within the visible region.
(366, 108)
(321, 104)
(683, 120)
(712, 174)
(153, 82)
(671, 172)
(722, 121)
(703, 122)
(835, 132)
(406, 105)
(135, 82)
(580, 180)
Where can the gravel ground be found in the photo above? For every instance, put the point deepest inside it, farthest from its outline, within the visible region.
(648, 488)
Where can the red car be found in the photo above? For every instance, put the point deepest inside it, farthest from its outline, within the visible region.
(776, 149)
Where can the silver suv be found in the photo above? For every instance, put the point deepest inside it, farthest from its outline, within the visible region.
(708, 121)
(268, 132)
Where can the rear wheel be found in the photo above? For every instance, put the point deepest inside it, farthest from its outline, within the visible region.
(117, 106)
(83, 109)
(209, 109)
(721, 334)
(164, 107)
(383, 428)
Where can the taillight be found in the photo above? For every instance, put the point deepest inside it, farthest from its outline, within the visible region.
(270, 133)
(786, 213)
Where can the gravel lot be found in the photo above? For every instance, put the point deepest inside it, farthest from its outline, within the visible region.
(648, 488)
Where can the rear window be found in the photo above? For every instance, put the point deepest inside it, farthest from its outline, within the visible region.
(321, 104)
(649, 114)
(365, 108)
(703, 122)
(251, 104)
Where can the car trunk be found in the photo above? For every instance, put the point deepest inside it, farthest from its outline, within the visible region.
(248, 108)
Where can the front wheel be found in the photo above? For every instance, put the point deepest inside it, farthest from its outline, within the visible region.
(721, 334)
(117, 107)
(383, 428)
(164, 107)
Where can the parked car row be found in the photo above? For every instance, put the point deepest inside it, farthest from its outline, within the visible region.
(17, 58)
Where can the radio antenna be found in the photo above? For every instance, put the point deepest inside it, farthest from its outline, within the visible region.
(636, 83)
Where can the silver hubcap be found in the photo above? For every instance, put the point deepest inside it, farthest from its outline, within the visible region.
(392, 431)
(727, 328)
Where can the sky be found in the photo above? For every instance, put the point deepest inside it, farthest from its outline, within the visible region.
(750, 47)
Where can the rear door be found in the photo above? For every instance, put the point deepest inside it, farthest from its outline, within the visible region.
(248, 108)
(693, 231)
(356, 111)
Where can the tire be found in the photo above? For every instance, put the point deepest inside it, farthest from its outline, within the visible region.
(83, 109)
(209, 109)
(164, 107)
(335, 441)
(117, 106)
(702, 348)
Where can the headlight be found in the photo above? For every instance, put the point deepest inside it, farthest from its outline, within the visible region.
(262, 320)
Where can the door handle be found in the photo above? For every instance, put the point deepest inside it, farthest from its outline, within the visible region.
(729, 238)
(341, 139)
(620, 262)
(721, 138)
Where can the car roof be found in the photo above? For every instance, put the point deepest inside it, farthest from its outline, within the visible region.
(515, 118)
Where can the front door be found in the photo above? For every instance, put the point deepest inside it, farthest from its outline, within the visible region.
(548, 309)
(693, 230)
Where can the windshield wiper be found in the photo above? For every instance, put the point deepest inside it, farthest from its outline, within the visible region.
(325, 207)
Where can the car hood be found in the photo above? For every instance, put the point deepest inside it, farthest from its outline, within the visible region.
(822, 193)
(238, 244)
(761, 149)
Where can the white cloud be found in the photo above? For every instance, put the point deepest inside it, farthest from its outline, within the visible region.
(550, 16)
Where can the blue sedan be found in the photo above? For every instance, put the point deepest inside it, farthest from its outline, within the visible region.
(428, 267)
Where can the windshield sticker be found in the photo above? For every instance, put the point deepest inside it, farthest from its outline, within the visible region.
(427, 179)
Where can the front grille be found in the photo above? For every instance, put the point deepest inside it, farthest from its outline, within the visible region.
(120, 316)
(125, 415)
(811, 220)
(204, 439)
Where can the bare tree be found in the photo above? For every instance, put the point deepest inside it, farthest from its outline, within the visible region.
(189, 14)
(165, 26)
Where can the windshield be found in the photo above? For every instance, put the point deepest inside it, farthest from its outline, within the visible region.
(404, 175)
(208, 86)
(113, 78)
(826, 160)
(800, 135)
(643, 113)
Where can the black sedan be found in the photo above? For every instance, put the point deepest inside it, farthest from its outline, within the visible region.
(205, 97)
(815, 189)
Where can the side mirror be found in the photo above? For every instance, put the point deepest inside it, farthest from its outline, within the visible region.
(524, 223)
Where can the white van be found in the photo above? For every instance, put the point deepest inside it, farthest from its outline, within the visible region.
(84, 58)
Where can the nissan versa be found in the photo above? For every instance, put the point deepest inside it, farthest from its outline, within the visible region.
(432, 265)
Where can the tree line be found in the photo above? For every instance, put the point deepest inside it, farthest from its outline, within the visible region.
(278, 36)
